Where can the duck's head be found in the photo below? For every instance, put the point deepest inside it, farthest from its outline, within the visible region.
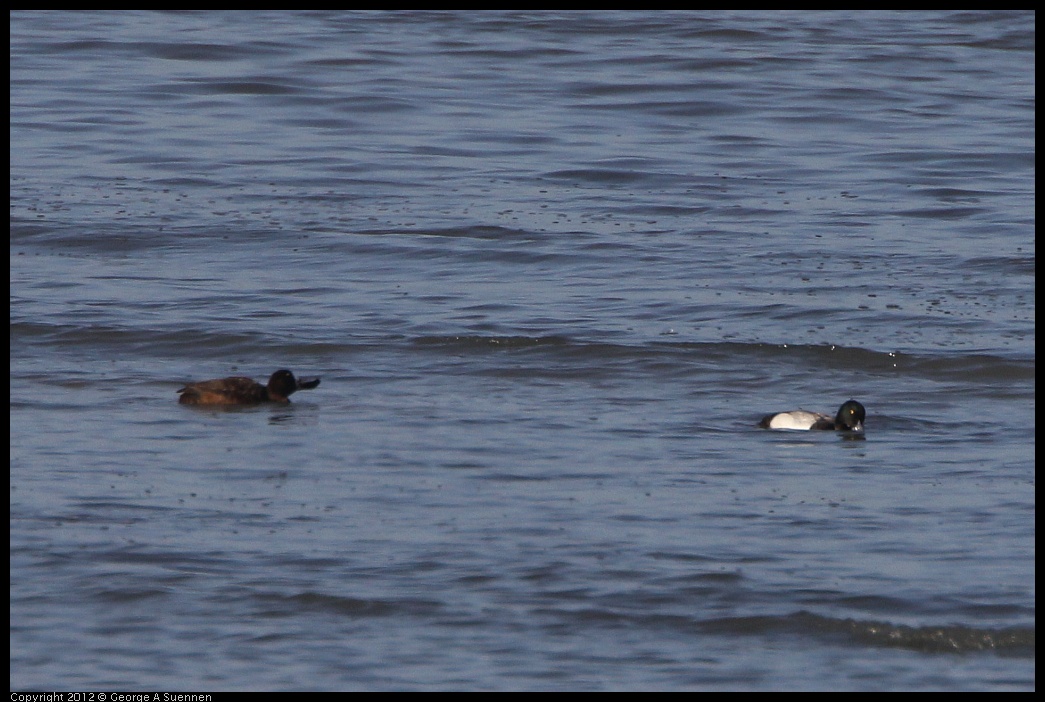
(850, 416)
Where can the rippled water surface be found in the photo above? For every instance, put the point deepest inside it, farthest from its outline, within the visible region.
(552, 269)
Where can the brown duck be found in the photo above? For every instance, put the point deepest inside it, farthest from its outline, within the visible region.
(244, 391)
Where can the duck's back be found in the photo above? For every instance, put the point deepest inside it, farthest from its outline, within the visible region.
(223, 391)
(796, 419)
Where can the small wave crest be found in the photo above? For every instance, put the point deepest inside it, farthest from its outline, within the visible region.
(1014, 641)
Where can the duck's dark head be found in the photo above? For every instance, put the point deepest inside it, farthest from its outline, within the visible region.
(850, 416)
(283, 384)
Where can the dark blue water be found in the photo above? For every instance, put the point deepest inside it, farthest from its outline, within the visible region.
(552, 269)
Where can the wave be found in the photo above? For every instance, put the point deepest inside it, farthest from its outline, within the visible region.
(1016, 641)
(479, 341)
(983, 366)
(559, 348)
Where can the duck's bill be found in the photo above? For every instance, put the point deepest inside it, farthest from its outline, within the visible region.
(307, 383)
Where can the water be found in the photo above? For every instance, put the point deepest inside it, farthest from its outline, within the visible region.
(552, 269)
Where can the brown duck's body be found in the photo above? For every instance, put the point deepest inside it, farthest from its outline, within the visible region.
(244, 391)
